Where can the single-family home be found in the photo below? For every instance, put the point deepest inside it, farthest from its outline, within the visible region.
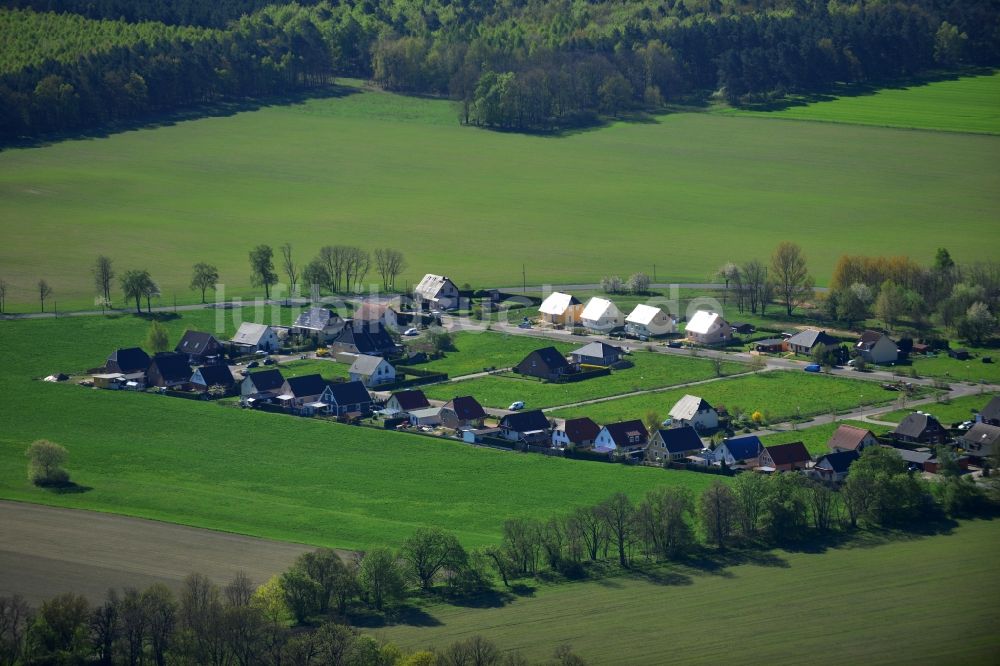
(251, 338)
(833, 467)
(546, 363)
(200, 348)
(804, 342)
(601, 316)
(981, 440)
(694, 411)
(784, 457)
(436, 291)
(708, 328)
(347, 399)
(597, 353)
(372, 371)
(530, 427)
(261, 386)
(991, 412)
(625, 437)
(666, 445)
(918, 428)
(406, 401)
(849, 438)
(127, 361)
(425, 416)
(375, 311)
(462, 412)
(302, 393)
(364, 338)
(319, 324)
(561, 309)
(646, 321)
(579, 432)
(877, 347)
(168, 369)
(771, 345)
(208, 376)
(738, 450)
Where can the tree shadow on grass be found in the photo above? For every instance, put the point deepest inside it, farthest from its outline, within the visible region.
(68, 488)
(409, 615)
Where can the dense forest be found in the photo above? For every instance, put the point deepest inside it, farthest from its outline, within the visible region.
(520, 65)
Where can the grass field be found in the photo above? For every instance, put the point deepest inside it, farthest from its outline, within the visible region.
(816, 437)
(954, 411)
(475, 351)
(969, 104)
(650, 371)
(373, 168)
(850, 605)
(781, 395)
(264, 474)
(973, 370)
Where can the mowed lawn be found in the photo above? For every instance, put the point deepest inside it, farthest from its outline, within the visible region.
(779, 395)
(377, 169)
(816, 437)
(972, 370)
(475, 351)
(953, 411)
(650, 371)
(969, 104)
(262, 474)
(878, 605)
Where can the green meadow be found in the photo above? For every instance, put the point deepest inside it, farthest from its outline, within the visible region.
(953, 411)
(968, 104)
(881, 604)
(816, 437)
(685, 191)
(268, 475)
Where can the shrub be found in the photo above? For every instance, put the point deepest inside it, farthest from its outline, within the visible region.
(45, 461)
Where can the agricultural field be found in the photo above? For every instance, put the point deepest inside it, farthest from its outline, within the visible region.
(262, 474)
(968, 104)
(816, 437)
(953, 411)
(780, 396)
(650, 371)
(879, 604)
(403, 168)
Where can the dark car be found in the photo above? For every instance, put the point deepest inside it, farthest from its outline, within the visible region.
(269, 361)
(253, 364)
(675, 344)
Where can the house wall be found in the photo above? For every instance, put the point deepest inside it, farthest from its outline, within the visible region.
(884, 351)
(605, 441)
(703, 420)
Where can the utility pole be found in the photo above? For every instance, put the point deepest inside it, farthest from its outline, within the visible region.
(524, 281)
(654, 273)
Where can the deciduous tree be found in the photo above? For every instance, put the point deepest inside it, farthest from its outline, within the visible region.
(204, 277)
(790, 275)
(262, 268)
(104, 273)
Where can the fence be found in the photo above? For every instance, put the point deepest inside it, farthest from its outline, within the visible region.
(419, 377)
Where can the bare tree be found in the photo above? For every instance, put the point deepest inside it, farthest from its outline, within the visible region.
(15, 618)
(262, 268)
(3, 294)
(592, 529)
(390, 264)
(755, 285)
(618, 514)
(717, 507)
(44, 291)
(103, 275)
(792, 279)
(291, 270)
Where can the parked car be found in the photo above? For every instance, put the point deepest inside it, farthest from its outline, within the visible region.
(269, 361)
(812, 367)
(524, 324)
(514, 406)
(965, 425)
(253, 364)
(322, 352)
(411, 332)
(675, 344)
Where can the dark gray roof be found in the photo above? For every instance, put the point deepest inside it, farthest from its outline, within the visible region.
(679, 440)
(366, 365)
(467, 408)
(266, 380)
(172, 366)
(917, 425)
(983, 434)
(196, 343)
(598, 350)
(550, 356)
(216, 374)
(413, 399)
(991, 412)
(810, 338)
(913, 457)
(306, 385)
(130, 359)
(838, 462)
(349, 393)
(622, 431)
(366, 337)
(525, 421)
(317, 319)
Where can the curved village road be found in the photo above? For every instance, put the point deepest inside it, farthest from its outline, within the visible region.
(45, 551)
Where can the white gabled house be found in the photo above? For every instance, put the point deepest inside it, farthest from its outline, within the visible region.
(694, 411)
(372, 371)
(708, 328)
(438, 291)
(252, 338)
(601, 316)
(561, 309)
(624, 437)
(647, 321)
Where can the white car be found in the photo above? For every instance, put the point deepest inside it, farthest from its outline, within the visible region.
(411, 332)
(514, 406)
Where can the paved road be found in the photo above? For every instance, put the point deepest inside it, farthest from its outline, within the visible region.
(45, 551)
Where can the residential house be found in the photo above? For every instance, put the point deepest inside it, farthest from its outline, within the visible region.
(771, 345)
(425, 416)
(981, 440)
(991, 412)
(919, 428)
(546, 363)
(738, 450)
(601, 316)
(208, 376)
(261, 386)
(319, 324)
(708, 328)
(303, 393)
(667, 445)
(364, 338)
(876, 347)
(784, 457)
(462, 412)
(804, 342)
(251, 338)
(646, 321)
(833, 467)
(374, 311)
(580, 432)
(849, 438)
(168, 370)
(530, 427)
(597, 353)
(624, 437)
(694, 411)
(437, 291)
(406, 401)
(347, 399)
(127, 361)
(372, 371)
(561, 309)
(200, 348)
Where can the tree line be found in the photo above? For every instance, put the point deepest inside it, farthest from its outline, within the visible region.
(755, 284)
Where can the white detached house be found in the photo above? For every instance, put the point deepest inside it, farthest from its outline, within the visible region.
(694, 411)
(561, 309)
(601, 316)
(709, 328)
(372, 371)
(647, 321)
